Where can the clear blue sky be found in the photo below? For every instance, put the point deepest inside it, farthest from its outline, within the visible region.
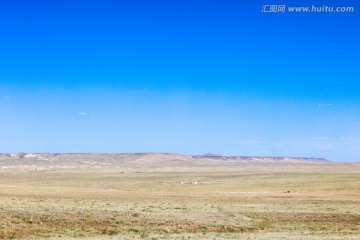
(188, 77)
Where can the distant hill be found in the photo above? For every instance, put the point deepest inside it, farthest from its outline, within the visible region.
(139, 162)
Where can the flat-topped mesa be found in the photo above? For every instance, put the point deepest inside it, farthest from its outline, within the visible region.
(147, 162)
(156, 157)
(260, 158)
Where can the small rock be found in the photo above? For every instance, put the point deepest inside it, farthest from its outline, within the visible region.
(31, 220)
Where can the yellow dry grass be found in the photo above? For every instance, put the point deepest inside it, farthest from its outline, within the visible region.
(268, 202)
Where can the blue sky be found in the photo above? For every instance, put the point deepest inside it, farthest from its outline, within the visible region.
(189, 77)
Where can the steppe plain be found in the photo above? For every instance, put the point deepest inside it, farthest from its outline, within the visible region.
(171, 196)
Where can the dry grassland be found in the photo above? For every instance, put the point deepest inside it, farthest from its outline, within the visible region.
(277, 201)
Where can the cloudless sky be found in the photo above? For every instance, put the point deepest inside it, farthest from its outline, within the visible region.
(189, 77)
